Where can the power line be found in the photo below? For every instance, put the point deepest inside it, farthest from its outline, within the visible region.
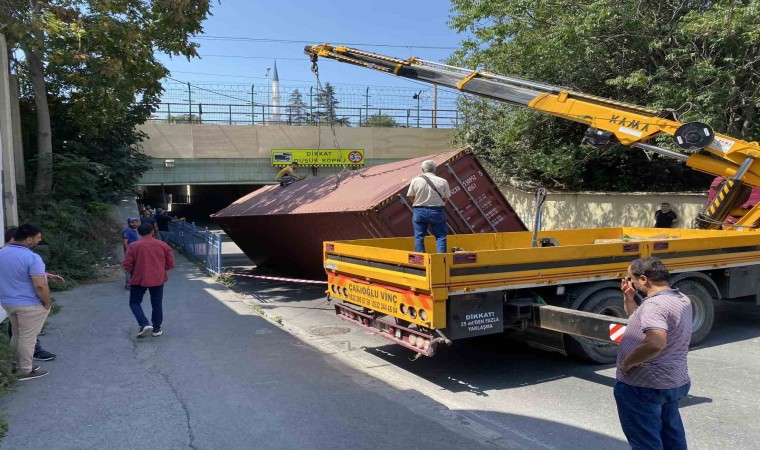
(212, 91)
(290, 41)
(305, 81)
(278, 58)
(239, 76)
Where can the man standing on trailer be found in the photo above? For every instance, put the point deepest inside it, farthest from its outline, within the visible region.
(429, 194)
(652, 374)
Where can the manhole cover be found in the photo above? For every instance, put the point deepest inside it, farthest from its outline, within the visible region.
(329, 330)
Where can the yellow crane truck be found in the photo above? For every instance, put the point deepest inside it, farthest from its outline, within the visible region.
(559, 290)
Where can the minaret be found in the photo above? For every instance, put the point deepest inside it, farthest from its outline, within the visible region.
(275, 95)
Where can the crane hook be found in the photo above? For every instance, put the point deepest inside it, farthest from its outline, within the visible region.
(314, 67)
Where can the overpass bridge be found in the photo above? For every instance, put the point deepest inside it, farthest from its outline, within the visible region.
(201, 168)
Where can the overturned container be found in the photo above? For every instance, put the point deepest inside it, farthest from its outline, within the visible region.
(282, 228)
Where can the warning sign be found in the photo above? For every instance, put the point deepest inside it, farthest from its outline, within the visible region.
(616, 332)
(318, 157)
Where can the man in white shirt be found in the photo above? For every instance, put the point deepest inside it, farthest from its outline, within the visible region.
(429, 194)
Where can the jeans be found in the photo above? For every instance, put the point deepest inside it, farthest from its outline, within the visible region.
(136, 294)
(163, 235)
(435, 217)
(650, 417)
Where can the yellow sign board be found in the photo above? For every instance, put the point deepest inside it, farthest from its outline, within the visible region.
(318, 157)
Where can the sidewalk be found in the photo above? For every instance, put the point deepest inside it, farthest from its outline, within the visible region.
(220, 377)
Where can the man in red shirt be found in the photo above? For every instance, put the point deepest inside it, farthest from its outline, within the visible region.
(148, 260)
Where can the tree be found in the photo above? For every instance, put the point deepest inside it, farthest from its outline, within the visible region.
(296, 109)
(381, 121)
(97, 57)
(328, 105)
(701, 57)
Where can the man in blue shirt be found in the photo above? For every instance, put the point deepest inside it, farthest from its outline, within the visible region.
(25, 296)
(128, 236)
(40, 354)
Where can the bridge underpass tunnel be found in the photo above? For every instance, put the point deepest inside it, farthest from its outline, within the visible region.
(195, 202)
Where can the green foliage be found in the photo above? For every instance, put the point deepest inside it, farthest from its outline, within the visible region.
(183, 118)
(380, 120)
(226, 279)
(296, 109)
(6, 377)
(80, 237)
(328, 105)
(700, 57)
(95, 62)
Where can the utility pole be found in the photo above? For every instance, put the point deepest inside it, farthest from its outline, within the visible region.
(189, 104)
(435, 106)
(9, 214)
(417, 97)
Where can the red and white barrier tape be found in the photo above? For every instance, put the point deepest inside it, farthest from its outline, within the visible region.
(291, 280)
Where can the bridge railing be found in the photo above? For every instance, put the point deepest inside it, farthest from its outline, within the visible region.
(200, 243)
(247, 114)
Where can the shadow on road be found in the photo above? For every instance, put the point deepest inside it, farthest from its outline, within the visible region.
(535, 433)
(489, 363)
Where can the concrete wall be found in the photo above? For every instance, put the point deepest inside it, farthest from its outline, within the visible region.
(174, 141)
(600, 210)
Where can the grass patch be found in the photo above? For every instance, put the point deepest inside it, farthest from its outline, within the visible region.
(226, 279)
(6, 378)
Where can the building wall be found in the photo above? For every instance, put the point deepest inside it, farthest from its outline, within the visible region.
(172, 141)
(600, 209)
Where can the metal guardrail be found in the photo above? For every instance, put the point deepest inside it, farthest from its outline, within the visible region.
(200, 243)
(246, 114)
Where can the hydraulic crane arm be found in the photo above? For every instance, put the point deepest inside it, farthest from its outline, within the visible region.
(608, 120)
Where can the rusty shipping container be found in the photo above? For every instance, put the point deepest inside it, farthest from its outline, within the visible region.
(283, 228)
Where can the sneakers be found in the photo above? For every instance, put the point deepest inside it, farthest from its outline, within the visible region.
(157, 331)
(14, 369)
(144, 331)
(35, 373)
(44, 355)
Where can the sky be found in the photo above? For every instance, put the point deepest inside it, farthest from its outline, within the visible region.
(413, 26)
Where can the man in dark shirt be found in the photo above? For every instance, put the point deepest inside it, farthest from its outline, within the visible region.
(665, 217)
(162, 220)
(148, 260)
(147, 218)
(128, 236)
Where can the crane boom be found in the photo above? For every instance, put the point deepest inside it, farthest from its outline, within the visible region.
(608, 120)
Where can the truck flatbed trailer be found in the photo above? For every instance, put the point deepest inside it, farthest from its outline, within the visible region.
(497, 282)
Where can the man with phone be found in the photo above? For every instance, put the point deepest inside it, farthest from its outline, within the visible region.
(652, 373)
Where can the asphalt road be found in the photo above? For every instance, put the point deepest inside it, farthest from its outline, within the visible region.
(221, 376)
(527, 398)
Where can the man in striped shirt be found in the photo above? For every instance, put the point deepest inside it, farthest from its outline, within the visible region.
(652, 375)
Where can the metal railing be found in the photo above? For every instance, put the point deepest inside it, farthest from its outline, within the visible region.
(200, 243)
(242, 114)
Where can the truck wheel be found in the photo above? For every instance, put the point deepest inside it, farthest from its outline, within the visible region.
(608, 302)
(703, 309)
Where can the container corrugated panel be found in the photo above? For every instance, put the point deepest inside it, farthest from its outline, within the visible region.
(283, 228)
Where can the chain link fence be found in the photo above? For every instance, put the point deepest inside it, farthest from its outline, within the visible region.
(354, 106)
